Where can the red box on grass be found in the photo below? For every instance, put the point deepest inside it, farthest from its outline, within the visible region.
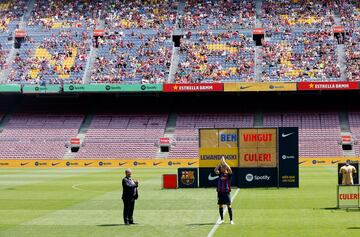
(169, 181)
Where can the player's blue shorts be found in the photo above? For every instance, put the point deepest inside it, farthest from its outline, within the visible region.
(224, 198)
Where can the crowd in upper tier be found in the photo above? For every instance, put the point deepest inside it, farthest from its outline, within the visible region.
(216, 57)
(133, 57)
(300, 56)
(217, 43)
(202, 15)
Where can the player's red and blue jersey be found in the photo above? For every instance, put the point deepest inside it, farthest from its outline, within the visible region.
(224, 183)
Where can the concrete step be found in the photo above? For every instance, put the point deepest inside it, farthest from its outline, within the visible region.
(170, 125)
(174, 64)
(342, 60)
(350, 153)
(258, 63)
(89, 64)
(4, 121)
(86, 123)
(258, 7)
(69, 155)
(344, 123)
(258, 119)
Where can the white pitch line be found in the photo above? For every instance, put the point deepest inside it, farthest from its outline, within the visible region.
(212, 231)
(76, 186)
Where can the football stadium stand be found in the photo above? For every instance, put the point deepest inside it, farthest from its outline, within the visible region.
(40, 136)
(166, 42)
(216, 57)
(125, 136)
(136, 56)
(202, 15)
(354, 122)
(319, 133)
(51, 58)
(300, 56)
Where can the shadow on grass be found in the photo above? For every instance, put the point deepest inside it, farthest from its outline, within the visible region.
(110, 225)
(338, 209)
(200, 224)
(329, 208)
(353, 210)
(353, 228)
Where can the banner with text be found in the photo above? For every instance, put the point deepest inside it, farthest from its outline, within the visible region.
(215, 143)
(258, 147)
(259, 86)
(195, 87)
(75, 88)
(326, 161)
(348, 196)
(319, 86)
(288, 156)
(35, 89)
(99, 163)
(257, 177)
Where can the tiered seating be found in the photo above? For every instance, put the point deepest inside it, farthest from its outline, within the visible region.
(38, 136)
(216, 57)
(354, 122)
(350, 12)
(51, 58)
(10, 13)
(300, 55)
(133, 56)
(137, 47)
(5, 46)
(319, 133)
(123, 136)
(353, 56)
(56, 48)
(47, 15)
(137, 14)
(187, 126)
(280, 15)
(218, 46)
(222, 14)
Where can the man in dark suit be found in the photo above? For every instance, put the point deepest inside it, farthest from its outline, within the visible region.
(130, 194)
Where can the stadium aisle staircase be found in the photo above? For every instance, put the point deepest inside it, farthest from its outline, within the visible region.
(342, 60)
(81, 135)
(258, 7)
(174, 64)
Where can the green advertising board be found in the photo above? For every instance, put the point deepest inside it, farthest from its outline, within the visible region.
(76, 88)
(34, 89)
(13, 88)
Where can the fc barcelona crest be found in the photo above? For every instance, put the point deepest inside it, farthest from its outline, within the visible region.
(187, 177)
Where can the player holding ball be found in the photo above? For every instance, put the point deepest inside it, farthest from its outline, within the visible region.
(224, 172)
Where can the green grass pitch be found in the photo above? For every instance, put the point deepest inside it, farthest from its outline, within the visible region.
(83, 202)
